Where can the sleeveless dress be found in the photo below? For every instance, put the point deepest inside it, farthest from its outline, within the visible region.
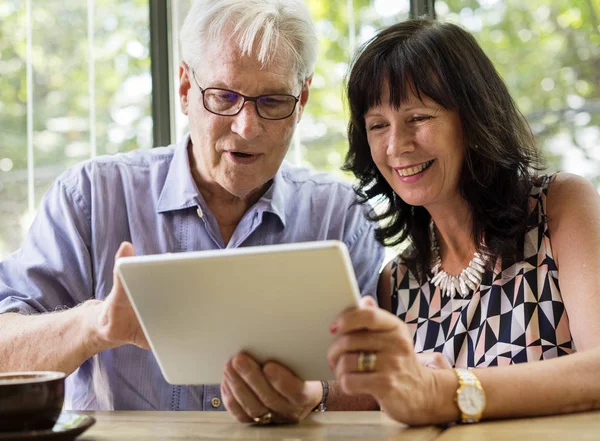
(515, 315)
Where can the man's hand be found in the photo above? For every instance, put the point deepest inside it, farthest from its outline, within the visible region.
(250, 392)
(117, 323)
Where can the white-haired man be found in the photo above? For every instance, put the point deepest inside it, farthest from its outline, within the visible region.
(244, 83)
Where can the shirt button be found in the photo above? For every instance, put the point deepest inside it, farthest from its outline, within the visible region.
(199, 212)
(215, 402)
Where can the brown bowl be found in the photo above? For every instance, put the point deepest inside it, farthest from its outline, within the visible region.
(30, 400)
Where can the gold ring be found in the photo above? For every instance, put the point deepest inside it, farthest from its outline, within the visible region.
(263, 420)
(361, 362)
(370, 360)
(366, 361)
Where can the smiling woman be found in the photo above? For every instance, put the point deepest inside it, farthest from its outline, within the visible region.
(417, 140)
(500, 259)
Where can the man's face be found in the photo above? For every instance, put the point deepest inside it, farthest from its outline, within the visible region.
(238, 154)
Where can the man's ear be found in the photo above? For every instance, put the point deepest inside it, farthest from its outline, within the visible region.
(184, 86)
(304, 96)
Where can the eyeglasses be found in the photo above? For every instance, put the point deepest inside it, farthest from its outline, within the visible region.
(225, 102)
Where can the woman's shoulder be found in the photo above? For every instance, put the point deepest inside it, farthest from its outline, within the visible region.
(569, 182)
(573, 210)
(567, 191)
(556, 191)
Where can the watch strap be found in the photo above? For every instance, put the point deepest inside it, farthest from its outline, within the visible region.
(467, 378)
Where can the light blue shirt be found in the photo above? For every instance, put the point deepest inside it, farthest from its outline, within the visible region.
(148, 197)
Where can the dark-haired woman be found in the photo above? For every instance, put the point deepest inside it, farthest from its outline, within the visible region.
(503, 264)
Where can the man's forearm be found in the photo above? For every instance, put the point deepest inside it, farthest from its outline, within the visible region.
(59, 341)
(337, 400)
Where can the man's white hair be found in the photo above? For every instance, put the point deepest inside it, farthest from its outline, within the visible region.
(263, 28)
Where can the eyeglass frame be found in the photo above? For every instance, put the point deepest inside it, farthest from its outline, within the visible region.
(251, 99)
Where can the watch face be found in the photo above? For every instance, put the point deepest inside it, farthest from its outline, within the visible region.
(471, 400)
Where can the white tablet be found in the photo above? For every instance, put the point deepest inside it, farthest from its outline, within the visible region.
(275, 302)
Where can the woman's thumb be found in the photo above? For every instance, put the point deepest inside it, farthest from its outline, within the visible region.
(368, 302)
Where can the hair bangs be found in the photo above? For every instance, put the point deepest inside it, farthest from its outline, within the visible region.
(425, 73)
(400, 71)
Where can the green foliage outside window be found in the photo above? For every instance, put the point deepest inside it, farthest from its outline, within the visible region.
(548, 52)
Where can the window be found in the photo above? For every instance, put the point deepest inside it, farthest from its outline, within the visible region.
(548, 53)
(74, 83)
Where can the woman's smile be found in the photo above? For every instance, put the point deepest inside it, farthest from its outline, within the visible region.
(413, 172)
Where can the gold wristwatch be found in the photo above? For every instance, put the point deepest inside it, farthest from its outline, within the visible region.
(470, 396)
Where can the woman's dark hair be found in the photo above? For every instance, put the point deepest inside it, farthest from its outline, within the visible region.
(444, 62)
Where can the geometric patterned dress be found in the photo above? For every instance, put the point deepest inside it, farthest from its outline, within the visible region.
(515, 315)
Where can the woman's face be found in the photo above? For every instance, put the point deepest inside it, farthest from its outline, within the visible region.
(418, 148)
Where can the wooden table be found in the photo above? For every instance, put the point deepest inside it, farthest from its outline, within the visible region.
(578, 426)
(169, 426)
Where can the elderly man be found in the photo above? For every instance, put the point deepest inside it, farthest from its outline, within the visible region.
(244, 84)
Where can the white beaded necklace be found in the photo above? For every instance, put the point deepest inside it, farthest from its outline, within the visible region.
(469, 278)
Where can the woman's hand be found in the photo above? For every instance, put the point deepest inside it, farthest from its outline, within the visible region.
(404, 388)
(434, 360)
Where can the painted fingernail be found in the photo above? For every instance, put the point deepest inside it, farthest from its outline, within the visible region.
(333, 328)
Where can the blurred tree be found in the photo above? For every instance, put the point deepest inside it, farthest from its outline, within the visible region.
(61, 101)
(548, 52)
(323, 130)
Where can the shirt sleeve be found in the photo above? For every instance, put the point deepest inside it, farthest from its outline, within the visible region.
(52, 270)
(366, 253)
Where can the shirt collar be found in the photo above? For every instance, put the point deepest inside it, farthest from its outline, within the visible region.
(180, 191)
(273, 201)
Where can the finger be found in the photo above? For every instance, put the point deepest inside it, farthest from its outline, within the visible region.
(367, 341)
(287, 384)
(349, 363)
(363, 383)
(359, 341)
(232, 405)
(371, 318)
(125, 250)
(368, 302)
(252, 375)
(434, 360)
(247, 400)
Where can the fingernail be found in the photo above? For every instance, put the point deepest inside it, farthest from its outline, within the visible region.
(240, 364)
(333, 328)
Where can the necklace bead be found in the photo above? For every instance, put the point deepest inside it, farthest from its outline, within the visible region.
(468, 279)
